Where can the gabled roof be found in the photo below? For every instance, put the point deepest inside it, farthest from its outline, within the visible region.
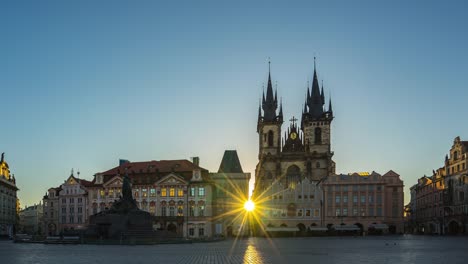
(112, 180)
(172, 179)
(85, 183)
(391, 173)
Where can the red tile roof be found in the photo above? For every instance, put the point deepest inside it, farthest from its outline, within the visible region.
(85, 183)
(154, 166)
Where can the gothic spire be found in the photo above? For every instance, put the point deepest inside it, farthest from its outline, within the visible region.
(276, 93)
(330, 109)
(315, 85)
(323, 95)
(269, 95)
(270, 103)
(316, 100)
(259, 111)
(281, 110)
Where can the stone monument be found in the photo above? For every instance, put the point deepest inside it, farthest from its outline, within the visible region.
(123, 221)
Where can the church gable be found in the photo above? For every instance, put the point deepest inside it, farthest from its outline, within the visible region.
(172, 179)
(71, 180)
(116, 181)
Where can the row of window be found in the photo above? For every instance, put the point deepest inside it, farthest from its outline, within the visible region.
(454, 169)
(274, 197)
(344, 199)
(299, 213)
(355, 188)
(151, 192)
(73, 191)
(356, 212)
(71, 210)
(71, 220)
(71, 200)
(201, 231)
(169, 211)
(8, 192)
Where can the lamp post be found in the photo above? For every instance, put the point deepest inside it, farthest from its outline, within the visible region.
(186, 212)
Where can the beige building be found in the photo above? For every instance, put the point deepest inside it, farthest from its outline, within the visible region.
(178, 193)
(50, 205)
(66, 208)
(231, 192)
(366, 200)
(8, 200)
(30, 219)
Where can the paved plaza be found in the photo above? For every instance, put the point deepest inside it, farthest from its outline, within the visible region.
(394, 249)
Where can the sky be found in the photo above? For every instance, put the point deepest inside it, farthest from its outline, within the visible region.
(85, 83)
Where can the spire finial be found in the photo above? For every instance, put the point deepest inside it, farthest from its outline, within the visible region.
(269, 62)
(314, 62)
(72, 171)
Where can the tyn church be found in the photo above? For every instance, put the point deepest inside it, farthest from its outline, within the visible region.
(290, 167)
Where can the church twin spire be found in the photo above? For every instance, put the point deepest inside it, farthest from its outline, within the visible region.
(314, 105)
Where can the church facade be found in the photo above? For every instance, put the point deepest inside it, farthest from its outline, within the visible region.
(292, 165)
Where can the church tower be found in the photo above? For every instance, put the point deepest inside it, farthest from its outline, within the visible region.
(269, 124)
(290, 168)
(316, 126)
(269, 138)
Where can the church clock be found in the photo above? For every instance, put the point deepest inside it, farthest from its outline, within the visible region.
(293, 135)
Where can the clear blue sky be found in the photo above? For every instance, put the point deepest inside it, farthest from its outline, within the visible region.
(83, 84)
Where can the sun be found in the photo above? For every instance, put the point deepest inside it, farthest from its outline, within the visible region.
(249, 206)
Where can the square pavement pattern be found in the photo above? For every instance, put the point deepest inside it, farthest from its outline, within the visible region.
(392, 249)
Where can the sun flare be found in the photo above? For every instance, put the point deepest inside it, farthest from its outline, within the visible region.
(249, 206)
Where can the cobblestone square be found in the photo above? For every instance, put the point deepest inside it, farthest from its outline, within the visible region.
(394, 249)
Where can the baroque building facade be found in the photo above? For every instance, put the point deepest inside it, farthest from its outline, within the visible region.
(177, 193)
(65, 208)
(439, 203)
(8, 200)
(290, 168)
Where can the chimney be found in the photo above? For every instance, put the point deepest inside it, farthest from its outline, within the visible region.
(122, 161)
(196, 161)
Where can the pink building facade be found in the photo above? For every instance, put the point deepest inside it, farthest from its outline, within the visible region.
(366, 200)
